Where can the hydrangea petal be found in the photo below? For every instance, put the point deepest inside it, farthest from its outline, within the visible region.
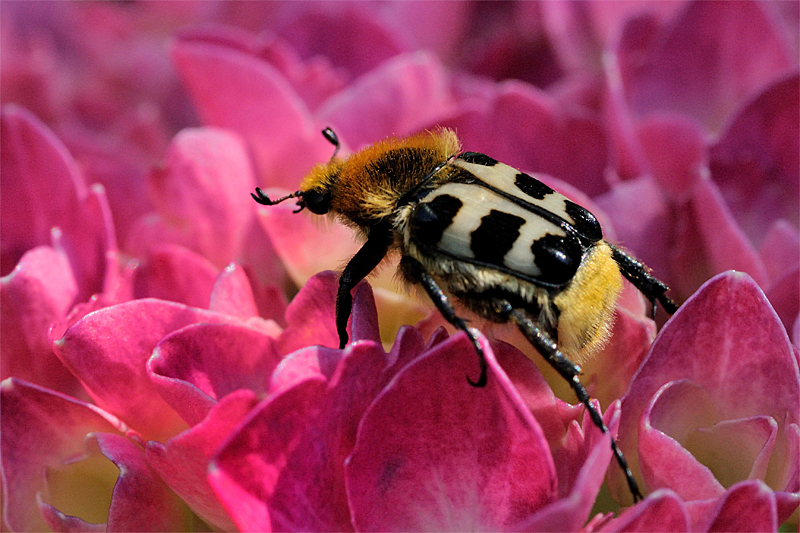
(40, 429)
(174, 273)
(755, 161)
(182, 462)
(196, 366)
(741, 48)
(103, 361)
(247, 468)
(400, 97)
(140, 499)
(311, 319)
(662, 510)
(37, 292)
(748, 506)
(462, 458)
(235, 90)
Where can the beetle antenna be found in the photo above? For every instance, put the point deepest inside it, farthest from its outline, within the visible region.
(332, 138)
(261, 197)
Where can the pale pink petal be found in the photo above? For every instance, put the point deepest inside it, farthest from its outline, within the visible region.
(661, 511)
(741, 49)
(183, 461)
(755, 161)
(400, 97)
(232, 89)
(248, 467)
(434, 453)
(140, 499)
(174, 273)
(39, 430)
(196, 366)
(36, 293)
(111, 346)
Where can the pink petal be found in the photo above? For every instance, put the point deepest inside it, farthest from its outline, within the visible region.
(675, 149)
(755, 162)
(346, 34)
(310, 316)
(526, 129)
(675, 412)
(571, 512)
(232, 294)
(235, 90)
(196, 366)
(174, 273)
(784, 295)
(141, 500)
(707, 347)
(37, 292)
(39, 430)
(780, 250)
(461, 458)
(401, 96)
(184, 460)
(748, 506)
(741, 48)
(661, 511)
(109, 348)
(313, 362)
(248, 467)
(34, 161)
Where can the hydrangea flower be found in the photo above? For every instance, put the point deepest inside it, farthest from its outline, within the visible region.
(155, 377)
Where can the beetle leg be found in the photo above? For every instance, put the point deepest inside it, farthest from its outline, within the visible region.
(640, 276)
(414, 270)
(366, 259)
(569, 371)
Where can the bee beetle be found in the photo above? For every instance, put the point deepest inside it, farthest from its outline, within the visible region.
(505, 245)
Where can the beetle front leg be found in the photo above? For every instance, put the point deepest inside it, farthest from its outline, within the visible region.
(364, 262)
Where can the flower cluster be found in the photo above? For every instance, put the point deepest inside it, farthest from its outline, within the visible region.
(155, 377)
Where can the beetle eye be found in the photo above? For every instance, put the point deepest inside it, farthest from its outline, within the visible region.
(317, 202)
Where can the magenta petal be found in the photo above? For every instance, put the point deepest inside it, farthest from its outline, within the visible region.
(311, 318)
(741, 49)
(40, 429)
(400, 97)
(184, 460)
(140, 501)
(177, 274)
(110, 347)
(571, 512)
(198, 365)
(246, 470)
(661, 511)
(433, 453)
(34, 160)
(756, 162)
(232, 294)
(235, 90)
(780, 250)
(39, 291)
(748, 506)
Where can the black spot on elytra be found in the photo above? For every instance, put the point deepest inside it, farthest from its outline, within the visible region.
(495, 236)
(430, 219)
(558, 257)
(585, 223)
(531, 186)
(478, 159)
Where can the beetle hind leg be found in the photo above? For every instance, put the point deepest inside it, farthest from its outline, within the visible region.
(570, 372)
(414, 271)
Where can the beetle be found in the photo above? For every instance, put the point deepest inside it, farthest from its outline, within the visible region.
(504, 245)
